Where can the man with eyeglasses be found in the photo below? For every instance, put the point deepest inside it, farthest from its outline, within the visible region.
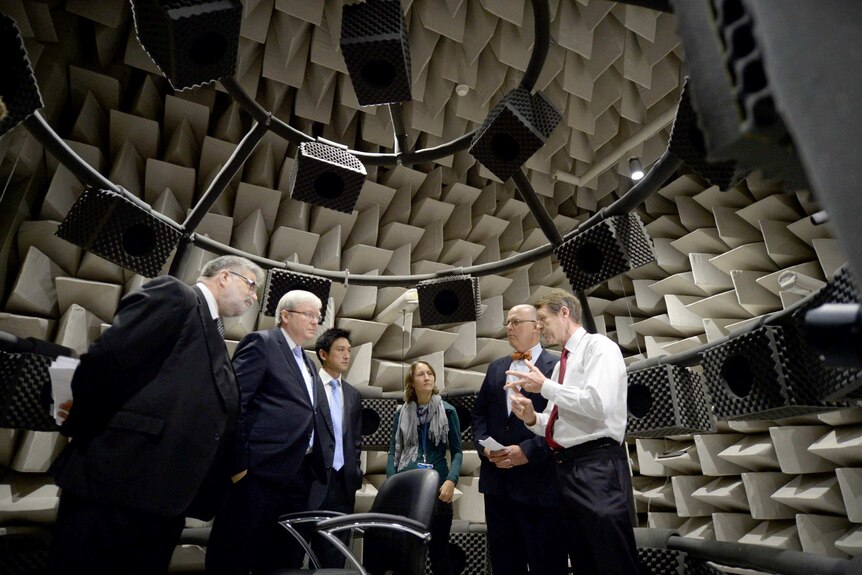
(277, 454)
(155, 407)
(521, 500)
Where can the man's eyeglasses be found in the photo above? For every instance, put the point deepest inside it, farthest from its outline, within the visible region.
(252, 285)
(313, 317)
(516, 322)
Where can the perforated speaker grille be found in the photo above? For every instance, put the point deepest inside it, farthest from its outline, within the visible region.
(468, 553)
(516, 127)
(377, 52)
(378, 416)
(22, 378)
(279, 282)
(667, 400)
(18, 89)
(661, 561)
(609, 248)
(450, 299)
(760, 375)
(114, 227)
(326, 176)
(194, 42)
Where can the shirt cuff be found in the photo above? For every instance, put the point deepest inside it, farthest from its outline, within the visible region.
(549, 390)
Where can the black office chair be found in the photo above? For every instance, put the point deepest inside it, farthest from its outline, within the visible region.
(396, 530)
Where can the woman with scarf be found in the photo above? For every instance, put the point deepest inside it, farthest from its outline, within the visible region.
(424, 428)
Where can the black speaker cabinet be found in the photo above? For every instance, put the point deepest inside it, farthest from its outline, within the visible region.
(23, 377)
(468, 552)
(378, 415)
(326, 176)
(834, 383)
(121, 231)
(730, 90)
(513, 131)
(194, 42)
(667, 400)
(761, 375)
(18, 88)
(661, 561)
(609, 248)
(687, 143)
(279, 282)
(377, 52)
(464, 404)
(450, 299)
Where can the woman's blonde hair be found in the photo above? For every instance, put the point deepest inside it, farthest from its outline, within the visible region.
(409, 391)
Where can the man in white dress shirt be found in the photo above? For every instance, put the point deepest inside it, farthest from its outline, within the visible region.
(584, 424)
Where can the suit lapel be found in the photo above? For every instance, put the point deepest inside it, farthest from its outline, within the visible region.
(290, 359)
(220, 364)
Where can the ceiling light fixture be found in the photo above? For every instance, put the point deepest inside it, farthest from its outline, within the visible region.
(636, 169)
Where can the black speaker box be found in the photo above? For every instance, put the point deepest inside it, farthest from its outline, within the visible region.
(378, 415)
(609, 248)
(23, 377)
(193, 42)
(279, 282)
(18, 88)
(667, 400)
(513, 131)
(121, 231)
(326, 176)
(450, 299)
(377, 52)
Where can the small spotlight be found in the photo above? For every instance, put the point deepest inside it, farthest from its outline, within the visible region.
(636, 169)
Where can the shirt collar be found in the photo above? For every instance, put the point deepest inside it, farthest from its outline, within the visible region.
(290, 342)
(326, 378)
(576, 338)
(211, 300)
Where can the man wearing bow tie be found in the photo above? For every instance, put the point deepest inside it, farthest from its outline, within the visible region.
(522, 506)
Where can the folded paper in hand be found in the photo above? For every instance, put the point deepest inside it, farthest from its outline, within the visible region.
(61, 371)
(492, 444)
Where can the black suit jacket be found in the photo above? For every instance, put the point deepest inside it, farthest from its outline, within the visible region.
(525, 483)
(155, 403)
(277, 418)
(352, 442)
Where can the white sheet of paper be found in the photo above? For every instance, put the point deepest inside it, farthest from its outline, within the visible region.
(61, 371)
(492, 444)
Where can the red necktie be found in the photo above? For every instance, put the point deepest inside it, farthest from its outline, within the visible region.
(522, 355)
(549, 429)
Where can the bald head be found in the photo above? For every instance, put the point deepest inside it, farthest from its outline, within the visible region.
(522, 329)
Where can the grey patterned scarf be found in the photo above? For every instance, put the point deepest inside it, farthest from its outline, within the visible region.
(406, 437)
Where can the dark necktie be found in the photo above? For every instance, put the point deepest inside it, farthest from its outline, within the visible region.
(522, 355)
(220, 326)
(549, 429)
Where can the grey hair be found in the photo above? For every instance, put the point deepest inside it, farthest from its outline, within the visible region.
(557, 299)
(294, 298)
(212, 268)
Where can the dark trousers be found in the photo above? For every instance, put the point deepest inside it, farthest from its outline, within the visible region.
(595, 486)
(246, 535)
(338, 498)
(522, 536)
(101, 538)
(438, 547)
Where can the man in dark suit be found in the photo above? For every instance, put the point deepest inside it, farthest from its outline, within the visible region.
(155, 405)
(342, 457)
(521, 502)
(277, 453)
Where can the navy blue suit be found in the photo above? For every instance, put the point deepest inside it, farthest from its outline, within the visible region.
(522, 504)
(275, 426)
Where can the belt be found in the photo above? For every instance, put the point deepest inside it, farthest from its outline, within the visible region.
(563, 455)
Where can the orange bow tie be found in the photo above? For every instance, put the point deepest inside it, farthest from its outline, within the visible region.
(518, 355)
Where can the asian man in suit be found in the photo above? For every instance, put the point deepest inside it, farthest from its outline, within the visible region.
(277, 454)
(155, 406)
(518, 482)
(342, 457)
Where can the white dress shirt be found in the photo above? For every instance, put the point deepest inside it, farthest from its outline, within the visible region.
(326, 378)
(592, 399)
(520, 365)
(211, 300)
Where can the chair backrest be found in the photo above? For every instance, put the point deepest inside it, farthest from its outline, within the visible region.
(411, 494)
